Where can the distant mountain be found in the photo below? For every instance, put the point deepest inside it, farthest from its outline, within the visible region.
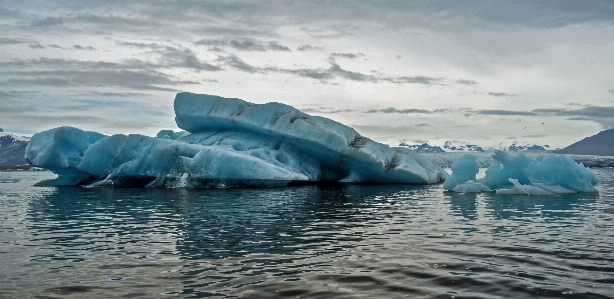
(518, 148)
(472, 148)
(12, 150)
(465, 147)
(423, 148)
(601, 144)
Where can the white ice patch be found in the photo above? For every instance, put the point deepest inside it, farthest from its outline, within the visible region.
(520, 189)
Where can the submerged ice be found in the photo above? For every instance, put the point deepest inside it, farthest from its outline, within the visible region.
(523, 175)
(228, 142)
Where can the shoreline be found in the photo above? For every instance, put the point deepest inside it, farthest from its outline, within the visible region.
(16, 167)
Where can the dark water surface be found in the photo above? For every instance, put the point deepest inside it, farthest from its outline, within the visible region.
(353, 241)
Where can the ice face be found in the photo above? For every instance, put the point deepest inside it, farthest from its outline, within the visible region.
(230, 142)
(463, 170)
(61, 150)
(520, 174)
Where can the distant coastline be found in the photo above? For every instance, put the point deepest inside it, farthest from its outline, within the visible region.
(16, 167)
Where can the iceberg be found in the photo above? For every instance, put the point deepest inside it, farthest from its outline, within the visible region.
(228, 143)
(554, 174)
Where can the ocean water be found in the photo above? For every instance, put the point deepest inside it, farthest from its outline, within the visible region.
(351, 241)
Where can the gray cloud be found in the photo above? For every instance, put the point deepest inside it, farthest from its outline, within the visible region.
(239, 64)
(16, 94)
(604, 116)
(416, 80)
(323, 75)
(11, 41)
(323, 110)
(185, 58)
(277, 47)
(79, 21)
(171, 56)
(141, 45)
(308, 48)
(79, 47)
(347, 55)
(466, 82)
(73, 73)
(405, 111)
(500, 94)
(611, 91)
(354, 76)
(122, 95)
(43, 112)
(233, 30)
(506, 113)
(243, 44)
(223, 16)
(47, 22)
(36, 46)
(588, 111)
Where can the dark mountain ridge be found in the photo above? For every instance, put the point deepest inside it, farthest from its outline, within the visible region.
(601, 144)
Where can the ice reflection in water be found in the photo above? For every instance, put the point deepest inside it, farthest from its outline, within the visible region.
(382, 241)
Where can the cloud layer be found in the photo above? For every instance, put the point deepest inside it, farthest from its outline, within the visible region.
(500, 68)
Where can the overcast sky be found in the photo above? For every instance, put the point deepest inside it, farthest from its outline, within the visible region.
(485, 72)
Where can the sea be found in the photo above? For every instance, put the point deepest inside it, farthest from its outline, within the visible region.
(327, 241)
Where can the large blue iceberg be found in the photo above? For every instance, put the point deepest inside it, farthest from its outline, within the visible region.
(521, 175)
(228, 143)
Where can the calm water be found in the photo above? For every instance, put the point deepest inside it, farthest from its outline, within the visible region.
(354, 241)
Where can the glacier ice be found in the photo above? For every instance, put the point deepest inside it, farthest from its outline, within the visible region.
(519, 174)
(464, 169)
(226, 143)
(61, 150)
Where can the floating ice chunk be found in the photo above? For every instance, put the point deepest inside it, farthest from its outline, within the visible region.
(61, 150)
(524, 175)
(463, 170)
(230, 142)
(520, 189)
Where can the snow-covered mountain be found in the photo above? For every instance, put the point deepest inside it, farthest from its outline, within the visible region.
(423, 148)
(12, 149)
(515, 147)
(463, 147)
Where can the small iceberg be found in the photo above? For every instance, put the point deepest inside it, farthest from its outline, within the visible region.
(228, 143)
(555, 174)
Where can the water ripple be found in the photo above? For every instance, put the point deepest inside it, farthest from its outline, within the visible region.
(385, 241)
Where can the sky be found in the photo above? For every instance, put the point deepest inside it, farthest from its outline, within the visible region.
(484, 72)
